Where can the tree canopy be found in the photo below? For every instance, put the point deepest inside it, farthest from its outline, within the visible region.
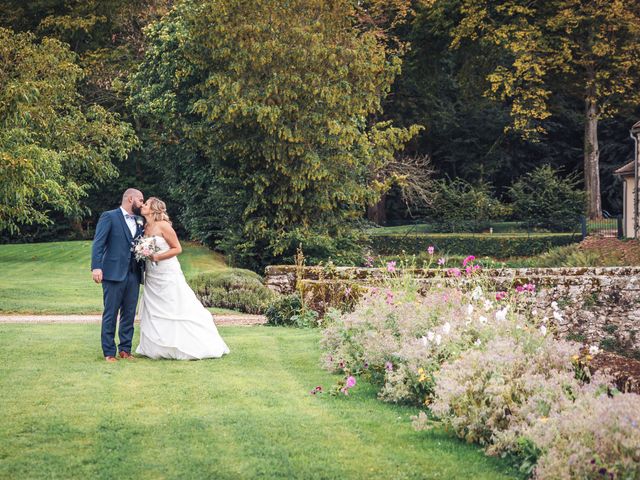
(289, 135)
(52, 148)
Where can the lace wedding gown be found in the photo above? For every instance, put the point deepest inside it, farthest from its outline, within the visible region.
(173, 322)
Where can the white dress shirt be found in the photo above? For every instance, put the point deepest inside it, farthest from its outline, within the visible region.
(131, 221)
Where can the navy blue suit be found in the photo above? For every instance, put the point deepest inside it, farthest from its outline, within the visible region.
(121, 277)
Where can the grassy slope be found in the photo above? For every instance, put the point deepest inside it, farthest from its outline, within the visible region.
(56, 278)
(68, 414)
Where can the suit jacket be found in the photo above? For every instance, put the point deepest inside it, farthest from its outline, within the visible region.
(112, 246)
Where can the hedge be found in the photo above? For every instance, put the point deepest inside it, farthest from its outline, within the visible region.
(490, 245)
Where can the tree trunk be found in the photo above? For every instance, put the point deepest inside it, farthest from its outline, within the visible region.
(378, 213)
(592, 159)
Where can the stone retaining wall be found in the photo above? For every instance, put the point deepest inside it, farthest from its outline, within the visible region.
(600, 305)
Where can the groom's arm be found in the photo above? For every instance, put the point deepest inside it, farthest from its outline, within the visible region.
(100, 241)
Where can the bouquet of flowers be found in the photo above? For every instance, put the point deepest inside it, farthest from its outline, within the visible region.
(144, 248)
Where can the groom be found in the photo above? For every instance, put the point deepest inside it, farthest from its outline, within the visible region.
(114, 265)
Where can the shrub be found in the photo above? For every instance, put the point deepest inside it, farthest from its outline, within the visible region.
(497, 246)
(235, 289)
(460, 206)
(598, 438)
(282, 310)
(542, 198)
(565, 256)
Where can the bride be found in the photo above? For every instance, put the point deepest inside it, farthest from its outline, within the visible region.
(173, 322)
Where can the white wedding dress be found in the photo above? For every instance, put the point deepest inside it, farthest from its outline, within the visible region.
(173, 322)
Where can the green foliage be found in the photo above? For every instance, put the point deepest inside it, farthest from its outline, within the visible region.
(460, 206)
(283, 134)
(496, 246)
(283, 310)
(542, 198)
(234, 289)
(52, 148)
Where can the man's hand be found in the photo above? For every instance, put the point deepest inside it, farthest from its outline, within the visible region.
(97, 275)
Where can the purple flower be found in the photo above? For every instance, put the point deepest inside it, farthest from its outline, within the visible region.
(501, 295)
(391, 266)
(388, 366)
(351, 381)
(368, 261)
(441, 261)
(431, 249)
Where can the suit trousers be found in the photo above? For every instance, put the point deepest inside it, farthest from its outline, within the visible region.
(119, 297)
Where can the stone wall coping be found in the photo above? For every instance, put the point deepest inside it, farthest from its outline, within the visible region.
(315, 272)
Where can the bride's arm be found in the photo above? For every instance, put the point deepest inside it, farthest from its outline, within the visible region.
(170, 236)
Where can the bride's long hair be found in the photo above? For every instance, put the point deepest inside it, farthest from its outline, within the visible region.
(158, 210)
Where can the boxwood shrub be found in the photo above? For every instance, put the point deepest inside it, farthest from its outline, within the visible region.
(497, 246)
(235, 289)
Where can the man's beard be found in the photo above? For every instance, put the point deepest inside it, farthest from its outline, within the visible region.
(136, 210)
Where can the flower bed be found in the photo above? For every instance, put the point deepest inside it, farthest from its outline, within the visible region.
(487, 366)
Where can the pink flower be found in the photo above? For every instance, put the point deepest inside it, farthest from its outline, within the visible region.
(469, 270)
(519, 289)
(470, 258)
(389, 297)
(351, 381)
(441, 261)
(388, 366)
(391, 266)
(146, 252)
(501, 295)
(368, 261)
(347, 291)
(431, 249)
(454, 272)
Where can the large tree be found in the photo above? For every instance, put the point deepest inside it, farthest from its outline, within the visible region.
(589, 49)
(52, 147)
(267, 106)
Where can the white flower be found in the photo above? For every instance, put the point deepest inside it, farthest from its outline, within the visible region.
(482, 319)
(430, 336)
(545, 319)
(554, 305)
(425, 341)
(438, 339)
(534, 312)
(543, 330)
(477, 343)
(501, 314)
(488, 305)
(469, 309)
(557, 315)
(593, 350)
(446, 328)
(477, 293)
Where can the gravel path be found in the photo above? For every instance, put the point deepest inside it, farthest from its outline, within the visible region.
(240, 319)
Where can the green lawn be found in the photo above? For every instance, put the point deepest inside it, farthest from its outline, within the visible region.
(56, 277)
(68, 414)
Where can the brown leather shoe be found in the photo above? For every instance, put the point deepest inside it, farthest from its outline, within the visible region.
(110, 359)
(126, 356)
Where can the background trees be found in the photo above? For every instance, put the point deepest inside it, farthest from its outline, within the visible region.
(270, 105)
(52, 148)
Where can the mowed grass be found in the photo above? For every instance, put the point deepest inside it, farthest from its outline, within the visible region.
(56, 277)
(68, 414)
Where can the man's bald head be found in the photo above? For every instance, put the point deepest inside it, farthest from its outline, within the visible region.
(132, 200)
